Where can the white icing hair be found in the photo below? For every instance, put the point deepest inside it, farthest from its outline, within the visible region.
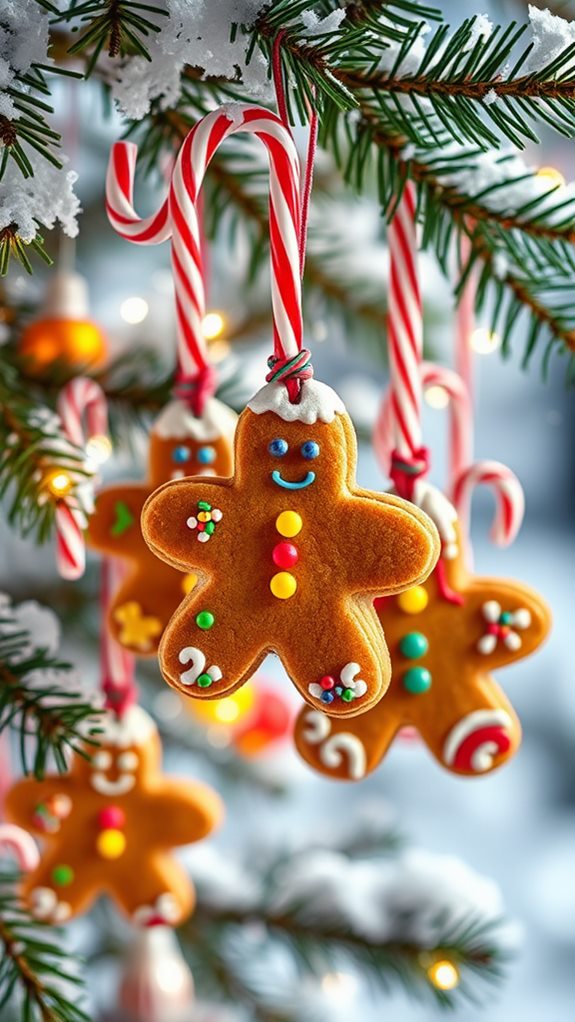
(133, 728)
(176, 422)
(317, 402)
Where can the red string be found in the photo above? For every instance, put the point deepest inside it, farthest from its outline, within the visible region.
(277, 71)
(406, 470)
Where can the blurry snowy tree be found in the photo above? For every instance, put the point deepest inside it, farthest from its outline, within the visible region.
(400, 95)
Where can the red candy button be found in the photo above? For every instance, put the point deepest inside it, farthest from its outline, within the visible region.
(327, 682)
(285, 555)
(111, 818)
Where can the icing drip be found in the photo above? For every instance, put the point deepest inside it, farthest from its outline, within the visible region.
(317, 403)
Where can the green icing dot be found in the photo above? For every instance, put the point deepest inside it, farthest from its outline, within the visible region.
(62, 876)
(417, 680)
(204, 681)
(347, 695)
(204, 506)
(414, 645)
(505, 618)
(205, 619)
(210, 528)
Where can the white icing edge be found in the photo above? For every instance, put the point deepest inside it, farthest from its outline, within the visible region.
(466, 727)
(317, 402)
(176, 422)
(442, 513)
(134, 727)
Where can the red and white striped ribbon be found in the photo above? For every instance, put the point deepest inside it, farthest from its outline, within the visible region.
(83, 411)
(178, 219)
(117, 665)
(509, 498)
(405, 327)
(21, 844)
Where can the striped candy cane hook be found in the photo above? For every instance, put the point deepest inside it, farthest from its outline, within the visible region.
(83, 410)
(22, 846)
(178, 219)
(117, 665)
(509, 498)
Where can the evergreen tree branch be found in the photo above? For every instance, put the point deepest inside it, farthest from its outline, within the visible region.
(118, 27)
(35, 967)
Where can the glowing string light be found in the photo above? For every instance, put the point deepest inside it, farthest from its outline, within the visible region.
(443, 975)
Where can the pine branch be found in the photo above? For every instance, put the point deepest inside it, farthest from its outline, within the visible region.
(118, 27)
(36, 700)
(35, 967)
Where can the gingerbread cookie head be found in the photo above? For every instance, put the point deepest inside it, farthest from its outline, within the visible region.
(445, 636)
(109, 827)
(183, 445)
(286, 547)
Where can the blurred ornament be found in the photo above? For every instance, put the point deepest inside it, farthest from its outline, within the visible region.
(229, 711)
(156, 984)
(64, 330)
(250, 719)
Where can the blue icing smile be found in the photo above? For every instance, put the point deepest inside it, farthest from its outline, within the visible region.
(300, 485)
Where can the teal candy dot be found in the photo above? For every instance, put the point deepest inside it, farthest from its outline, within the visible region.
(505, 618)
(204, 680)
(62, 876)
(417, 680)
(414, 645)
(205, 619)
(347, 695)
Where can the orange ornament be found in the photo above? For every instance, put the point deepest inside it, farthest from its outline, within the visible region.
(64, 331)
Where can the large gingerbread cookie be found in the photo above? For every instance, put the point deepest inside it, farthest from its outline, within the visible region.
(445, 638)
(295, 557)
(109, 827)
(180, 445)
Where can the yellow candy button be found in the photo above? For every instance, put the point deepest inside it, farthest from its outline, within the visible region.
(413, 601)
(288, 524)
(111, 844)
(204, 516)
(188, 582)
(283, 585)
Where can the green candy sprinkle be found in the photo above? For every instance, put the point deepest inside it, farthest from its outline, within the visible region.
(204, 681)
(62, 876)
(210, 528)
(347, 695)
(205, 619)
(204, 506)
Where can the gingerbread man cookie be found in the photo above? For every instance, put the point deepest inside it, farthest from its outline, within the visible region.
(109, 826)
(295, 558)
(445, 637)
(180, 445)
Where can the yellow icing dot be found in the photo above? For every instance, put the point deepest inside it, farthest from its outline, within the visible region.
(111, 844)
(288, 524)
(204, 516)
(188, 582)
(283, 585)
(414, 600)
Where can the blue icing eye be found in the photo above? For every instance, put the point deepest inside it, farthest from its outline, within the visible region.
(278, 448)
(309, 450)
(206, 455)
(180, 454)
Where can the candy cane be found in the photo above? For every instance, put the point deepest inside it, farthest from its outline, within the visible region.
(178, 220)
(21, 844)
(509, 498)
(117, 665)
(405, 327)
(82, 409)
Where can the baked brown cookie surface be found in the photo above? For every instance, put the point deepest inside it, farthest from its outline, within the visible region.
(445, 637)
(180, 445)
(296, 553)
(109, 827)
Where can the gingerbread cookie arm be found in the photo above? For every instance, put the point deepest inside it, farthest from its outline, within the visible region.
(28, 804)
(345, 750)
(114, 527)
(58, 890)
(512, 621)
(182, 519)
(187, 812)
(390, 544)
(162, 895)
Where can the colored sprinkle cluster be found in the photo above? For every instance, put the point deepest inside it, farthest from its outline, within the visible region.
(331, 689)
(205, 521)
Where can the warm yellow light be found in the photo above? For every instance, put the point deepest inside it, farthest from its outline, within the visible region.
(552, 175)
(227, 710)
(484, 341)
(444, 975)
(98, 449)
(213, 325)
(338, 984)
(219, 350)
(437, 397)
(59, 483)
(134, 310)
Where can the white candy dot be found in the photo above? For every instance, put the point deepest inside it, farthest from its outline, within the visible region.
(217, 515)
(522, 618)
(192, 523)
(203, 537)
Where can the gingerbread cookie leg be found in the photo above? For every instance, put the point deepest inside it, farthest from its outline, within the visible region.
(203, 651)
(346, 750)
(57, 890)
(164, 897)
(342, 675)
